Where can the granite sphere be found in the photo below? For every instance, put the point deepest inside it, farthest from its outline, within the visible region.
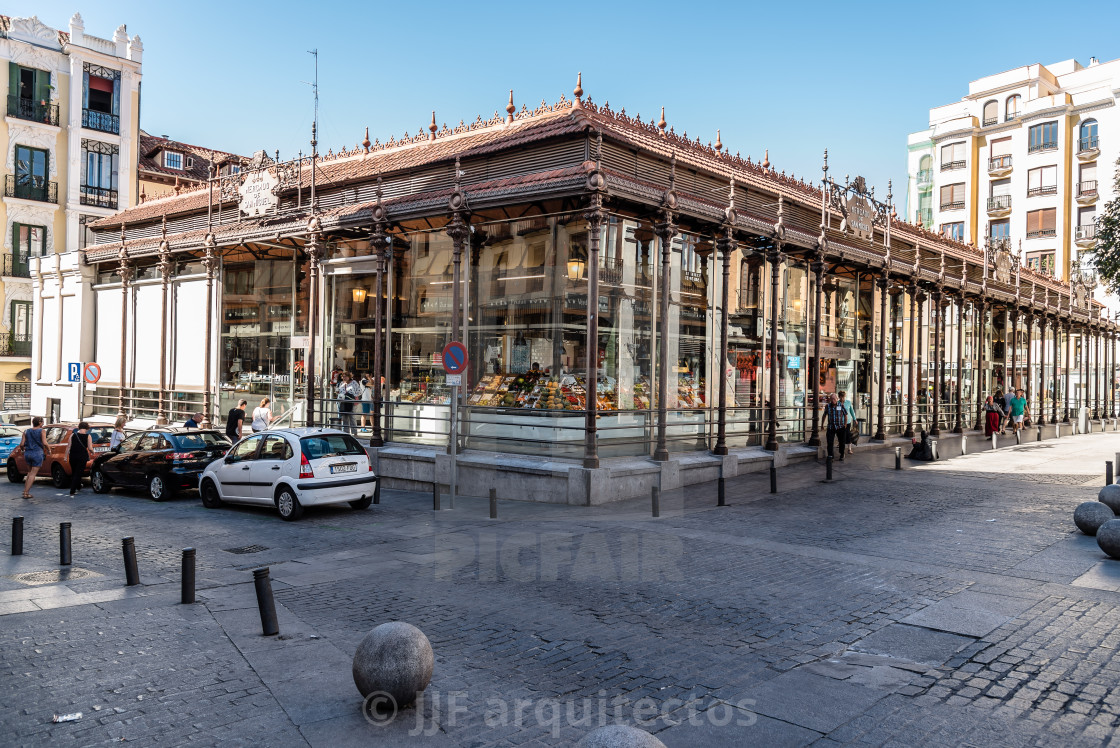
(395, 658)
(1108, 537)
(1091, 515)
(619, 736)
(1110, 497)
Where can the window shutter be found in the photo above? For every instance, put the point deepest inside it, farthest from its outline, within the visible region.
(1049, 219)
(42, 86)
(1032, 221)
(85, 90)
(1049, 176)
(1089, 172)
(13, 79)
(15, 238)
(1001, 147)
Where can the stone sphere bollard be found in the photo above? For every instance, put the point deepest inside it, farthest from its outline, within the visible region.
(1091, 515)
(1108, 537)
(395, 658)
(619, 736)
(1110, 497)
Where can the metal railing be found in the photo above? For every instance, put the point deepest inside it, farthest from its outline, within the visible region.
(27, 187)
(924, 178)
(1085, 233)
(1042, 233)
(36, 111)
(953, 165)
(999, 202)
(15, 344)
(144, 404)
(15, 396)
(955, 205)
(1049, 145)
(1049, 189)
(101, 121)
(999, 162)
(990, 121)
(98, 196)
(14, 267)
(1088, 187)
(1088, 143)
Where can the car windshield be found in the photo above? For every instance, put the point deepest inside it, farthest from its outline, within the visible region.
(199, 440)
(330, 445)
(6, 431)
(100, 434)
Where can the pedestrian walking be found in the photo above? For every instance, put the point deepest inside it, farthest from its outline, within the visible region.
(1018, 409)
(993, 415)
(1007, 397)
(78, 456)
(853, 422)
(235, 420)
(836, 421)
(262, 415)
(118, 434)
(367, 400)
(33, 450)
(349, 392)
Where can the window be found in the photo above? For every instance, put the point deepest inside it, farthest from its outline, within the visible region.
(276, 448)
(1087, 136)
(999, 230)
(190, 162)
(954, 231)
(246, 449)
(952, 196)
(1043, 262)
(330, 445)
(1087, 183)
(32, 170)
(85, 235)
(27, 242)
(1012, 108)
(200, 440)
(1041, 223)
(991, 112)
(999, 195)
(953, 156)
(101, 98)
(1042, 181)
(99, 174)
(130, 444)
(29, 95)
(1086, 216)
(172, 160)
(1042, 137)
(1000, 154)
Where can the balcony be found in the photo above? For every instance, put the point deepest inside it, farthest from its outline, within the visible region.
(1087, 192)
(34, 111)
(1042, 233)
(1085, 236)
(999, 206)
(15, 344)
(101, 121)
(99, 197)
(923, 217)
(31, 188)
(924, 179)
(1088, 148)
(1049, 145)
(988, 121)
(1049, 189)
(12, 266)
(999, 166)
(955, 205)
(953, 165)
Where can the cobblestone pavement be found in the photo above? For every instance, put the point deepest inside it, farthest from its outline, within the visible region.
(947, 604)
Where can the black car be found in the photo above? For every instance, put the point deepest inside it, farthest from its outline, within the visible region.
(163, 461)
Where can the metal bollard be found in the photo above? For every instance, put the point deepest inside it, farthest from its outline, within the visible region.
(377, 492)
(1018, 437)
(1039, 434)
(828, 468)
(493, 503)
(655, 496)
(995, 441)
(898, 458)
(435, 496)
(131, 573)
(17, 536)
(265, 602)
(722, 489)
(64, 544)
(964, 444)
(933, 448)
(1108, 472)
(188, 576)
(773, 478)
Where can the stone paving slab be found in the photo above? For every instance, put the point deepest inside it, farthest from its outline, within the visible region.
(914, 643)
(969, 613)
(812, 701)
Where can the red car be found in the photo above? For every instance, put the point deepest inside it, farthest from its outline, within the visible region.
(56, 457)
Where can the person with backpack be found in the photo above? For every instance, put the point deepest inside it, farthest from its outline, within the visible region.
(836, 422)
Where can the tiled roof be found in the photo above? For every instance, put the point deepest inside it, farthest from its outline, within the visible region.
(151, 146)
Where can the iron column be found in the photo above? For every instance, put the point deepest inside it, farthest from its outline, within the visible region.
(883, 281)
(911, 385)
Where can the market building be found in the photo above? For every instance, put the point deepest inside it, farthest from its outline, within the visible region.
(638, 307)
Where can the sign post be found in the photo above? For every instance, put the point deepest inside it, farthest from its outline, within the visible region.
(91, 374)
(454, 363)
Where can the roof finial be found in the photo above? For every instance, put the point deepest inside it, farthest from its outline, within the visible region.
(661, 123)
(365, 141)
(433, 127)
(578, 92)
(766, 160)
(719, 145)
(510, 108)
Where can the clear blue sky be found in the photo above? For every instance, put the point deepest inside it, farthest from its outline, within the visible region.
(791, 77)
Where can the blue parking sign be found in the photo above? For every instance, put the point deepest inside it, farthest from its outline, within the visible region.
(75, 371)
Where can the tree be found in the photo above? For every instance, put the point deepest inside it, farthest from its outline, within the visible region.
(1106, 256)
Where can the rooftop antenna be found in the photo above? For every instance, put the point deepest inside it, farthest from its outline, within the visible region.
(314, 127)
(315, 85)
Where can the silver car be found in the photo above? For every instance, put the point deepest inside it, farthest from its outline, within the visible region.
(290, 469)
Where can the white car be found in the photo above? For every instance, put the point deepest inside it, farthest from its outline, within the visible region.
(291, 469)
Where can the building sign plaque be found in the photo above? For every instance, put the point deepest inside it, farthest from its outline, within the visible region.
(860, 217)
(257, 196)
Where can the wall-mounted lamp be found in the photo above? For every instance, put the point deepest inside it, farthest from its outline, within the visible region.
(575, 269)
(359, 295)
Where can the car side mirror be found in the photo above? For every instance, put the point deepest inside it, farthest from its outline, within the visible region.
(228, 459)
(116, 449)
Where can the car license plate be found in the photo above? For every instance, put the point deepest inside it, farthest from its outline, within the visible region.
(347, 467)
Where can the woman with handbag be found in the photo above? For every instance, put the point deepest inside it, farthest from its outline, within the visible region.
(993, 415)
(853, 423)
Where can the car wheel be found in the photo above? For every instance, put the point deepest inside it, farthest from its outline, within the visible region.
(209, 493)
(158, 489)
(362, 503)
(99, 482)
(59, 476)
(287, 504)
(13, 472)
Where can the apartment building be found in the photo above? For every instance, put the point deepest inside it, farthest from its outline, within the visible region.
(70, 142)
(1025, 162)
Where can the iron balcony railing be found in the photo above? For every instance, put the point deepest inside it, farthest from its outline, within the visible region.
(13, 266)
(100, 197)
(101, 121)
(955, 205)
(1088, 187)
(1042, 233)
(999, 162)
(1048, 145)
(1085, 232)
(1088, 143)
(1049, 189)
(1011, 117)
(990, 121)
(925, 178)
(15, 344)
(30, 188)
(952, 165)
(36, 111)
(999, 202)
